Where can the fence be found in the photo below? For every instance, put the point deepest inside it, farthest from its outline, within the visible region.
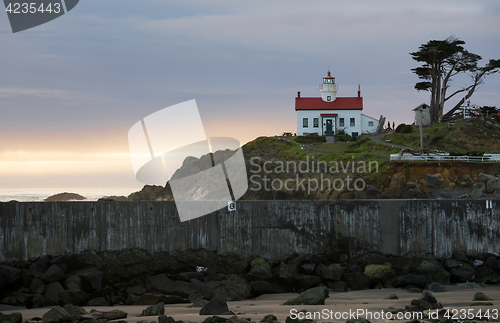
(434, 157)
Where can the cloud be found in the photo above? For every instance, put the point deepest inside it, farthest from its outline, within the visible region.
(11, 92)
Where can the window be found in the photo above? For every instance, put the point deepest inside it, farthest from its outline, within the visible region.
(328, 98)
(353, 122)
(370, 123)
(316, 122)
(305, 123)
(341, 122)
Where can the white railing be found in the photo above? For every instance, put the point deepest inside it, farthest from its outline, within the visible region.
(445, 157)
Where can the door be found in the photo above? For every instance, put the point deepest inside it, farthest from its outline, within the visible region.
(329, 127)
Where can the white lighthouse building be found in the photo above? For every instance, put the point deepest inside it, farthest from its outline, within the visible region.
(317, 115)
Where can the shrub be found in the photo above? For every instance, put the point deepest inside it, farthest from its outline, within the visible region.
(310, 139)
(343, 137)
(404, 128)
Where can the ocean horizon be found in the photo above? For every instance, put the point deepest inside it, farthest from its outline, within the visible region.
(39, 194)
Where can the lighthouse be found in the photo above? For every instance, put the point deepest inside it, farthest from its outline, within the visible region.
(329, 88)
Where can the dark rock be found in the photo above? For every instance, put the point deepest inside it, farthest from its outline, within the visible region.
(372, 190)
(154, 310)
(98, 301)
(460, 271)
(422, 304)
(216, 289)
(108, 290)
(332, 273)
(392, 296)
(258, 273)
(305, 282)
(52, 291)
(313, 296)
(165, 319)
(137, 290)
(37, 286)
(458, 256)
(287, 275)
(484, 178)
(114, 315)
(90, 278)
(486, 275)
(428, 297)
(215, 307)
(479, 296)
(435, 287)
(73, 282)
(197, 300)
(10, 274)
(356, 281)
(435, 271)
(155, 298)
(307, 268)
(493, 185)
(54, 273)
(74, 311)
(411, 279)
(492, 262)
(475, 193)
(161, 283)
(74, 297)
(260, 287)
(337, 287)
(39, 267)
(435, 180)
(15, 317)
(270, 318)
(55, 315)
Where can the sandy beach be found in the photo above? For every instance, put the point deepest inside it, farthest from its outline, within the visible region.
(372, 302)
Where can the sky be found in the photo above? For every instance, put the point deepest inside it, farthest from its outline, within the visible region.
(71, 89)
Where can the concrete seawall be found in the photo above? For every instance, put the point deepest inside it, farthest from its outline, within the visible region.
(271, 229)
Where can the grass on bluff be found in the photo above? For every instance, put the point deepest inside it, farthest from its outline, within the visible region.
(464, 137)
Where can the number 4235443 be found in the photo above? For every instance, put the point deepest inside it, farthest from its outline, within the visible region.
(33, 8)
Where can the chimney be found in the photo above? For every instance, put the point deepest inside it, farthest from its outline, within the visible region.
(359, 90)
(298, 94)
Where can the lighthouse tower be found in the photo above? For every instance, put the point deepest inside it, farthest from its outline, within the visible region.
(329, 88)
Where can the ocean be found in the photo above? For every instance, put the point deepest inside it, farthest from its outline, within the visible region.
(39, 194)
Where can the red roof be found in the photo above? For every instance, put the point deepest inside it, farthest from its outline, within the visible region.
(353, 103)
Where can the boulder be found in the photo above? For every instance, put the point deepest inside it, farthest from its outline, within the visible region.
(392, 296)
(165, 319)
(90, 278)
(74, 297)
(397, 184)
(114, 315)
(154, 310)
(337, 287)
(55, 315)
(54, 273)
(435, 180)
(435, 287)
(313, 296)
(52, 291)
(197, 300)
(379, 273)
(15, 317)
(215, 307)
(331, 273)
(479, 296)
(356, 281)
(155, 298)
(493, 185)
(460, 271)
(136, 290)
(161, 283)
(270, 318)
(479, 186)
(475, 193)
(486, 275)
(307, 268)
(492, 262)
(484, 178)
(37, 286)
(98, 301)
(260, 287)
(258, 261)
(74, 311)
(435, 271)
(411, 279)
(305, 282)
(239, 286)
(39, 267)
(258, 273)
(73, 282)
(10, 274)
(286, 274)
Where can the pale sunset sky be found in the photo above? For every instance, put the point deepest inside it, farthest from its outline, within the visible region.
(71, 89)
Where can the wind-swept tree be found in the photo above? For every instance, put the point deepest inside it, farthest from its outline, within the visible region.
(442, 60)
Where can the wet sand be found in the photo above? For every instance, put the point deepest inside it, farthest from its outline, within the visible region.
(337, 304)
